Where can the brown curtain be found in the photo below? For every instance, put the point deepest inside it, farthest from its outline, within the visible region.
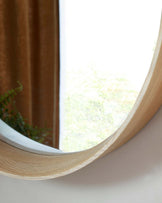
(29, 53)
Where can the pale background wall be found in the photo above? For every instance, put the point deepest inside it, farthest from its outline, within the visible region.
(131, 174)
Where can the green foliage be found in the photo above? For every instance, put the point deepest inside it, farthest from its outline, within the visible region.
(95, 105)
(10, 115)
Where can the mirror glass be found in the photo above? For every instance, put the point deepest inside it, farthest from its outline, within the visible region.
(106, 52)
(106, 48)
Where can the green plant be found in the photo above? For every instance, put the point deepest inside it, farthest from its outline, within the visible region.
(10, 115)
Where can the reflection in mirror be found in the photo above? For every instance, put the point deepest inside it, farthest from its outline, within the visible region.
(106, 49)
(106, 52)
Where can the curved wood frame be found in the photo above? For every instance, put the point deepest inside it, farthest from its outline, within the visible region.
(26, 165)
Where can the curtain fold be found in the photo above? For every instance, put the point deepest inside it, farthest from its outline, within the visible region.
(29, 53)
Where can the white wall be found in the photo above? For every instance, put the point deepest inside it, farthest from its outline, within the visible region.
(131, 174)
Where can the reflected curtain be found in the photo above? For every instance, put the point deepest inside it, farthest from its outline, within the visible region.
(29, 53)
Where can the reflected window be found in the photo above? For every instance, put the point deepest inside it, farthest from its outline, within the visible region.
(106, 51)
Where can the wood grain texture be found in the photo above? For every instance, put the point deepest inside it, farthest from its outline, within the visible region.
(21, 164)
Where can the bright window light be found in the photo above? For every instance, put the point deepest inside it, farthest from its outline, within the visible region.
(106, 51)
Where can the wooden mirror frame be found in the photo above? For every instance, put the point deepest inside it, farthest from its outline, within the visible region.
(27, 165)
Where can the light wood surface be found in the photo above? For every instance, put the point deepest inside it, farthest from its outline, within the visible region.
(22, 164)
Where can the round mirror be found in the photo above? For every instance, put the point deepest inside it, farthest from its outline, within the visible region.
(75, 81)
